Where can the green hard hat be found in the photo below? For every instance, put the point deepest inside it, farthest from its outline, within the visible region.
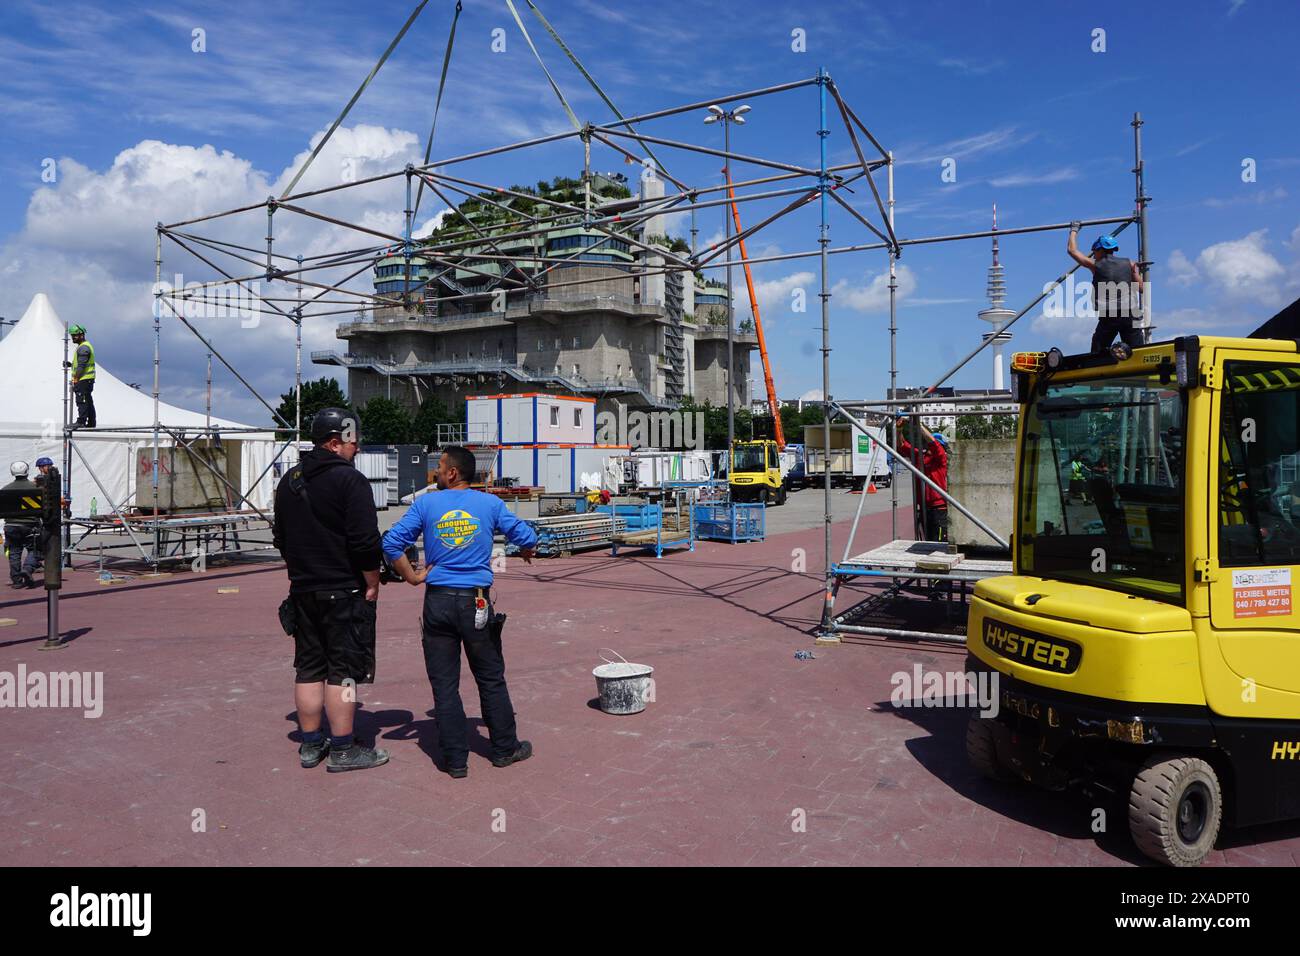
(77, 330)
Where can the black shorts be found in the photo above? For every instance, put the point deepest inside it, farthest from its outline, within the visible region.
(335, 637)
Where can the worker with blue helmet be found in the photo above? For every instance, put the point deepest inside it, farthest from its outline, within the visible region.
(1116, 287)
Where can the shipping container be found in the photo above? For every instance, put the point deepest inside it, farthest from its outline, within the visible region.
(531, 418)
(557, 468)
(374, 465)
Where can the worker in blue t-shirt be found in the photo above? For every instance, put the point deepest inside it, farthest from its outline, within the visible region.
(458, 524)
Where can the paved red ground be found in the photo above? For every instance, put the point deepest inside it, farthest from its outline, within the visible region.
(741, 742)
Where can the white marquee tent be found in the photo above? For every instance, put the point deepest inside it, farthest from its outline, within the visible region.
(31, 421)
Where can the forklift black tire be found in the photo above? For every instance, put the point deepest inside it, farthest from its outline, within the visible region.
(1174, 809)
(983, 753)
(762, 497)
(780, 495)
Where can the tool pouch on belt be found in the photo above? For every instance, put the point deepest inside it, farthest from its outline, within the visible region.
(288, 616)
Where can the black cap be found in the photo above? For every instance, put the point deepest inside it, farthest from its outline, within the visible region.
(330, 422)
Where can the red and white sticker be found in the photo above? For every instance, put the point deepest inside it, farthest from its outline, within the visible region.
(1261, 592)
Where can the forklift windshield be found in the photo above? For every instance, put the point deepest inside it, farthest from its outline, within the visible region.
(1101, 485)
(750, 458)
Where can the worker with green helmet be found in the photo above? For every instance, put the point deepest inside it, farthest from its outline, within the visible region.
(83, 378)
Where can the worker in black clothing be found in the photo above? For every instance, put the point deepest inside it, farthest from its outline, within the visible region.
(22, 534)
(328, 534)
(1116, 286)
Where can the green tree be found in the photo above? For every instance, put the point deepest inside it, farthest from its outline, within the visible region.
(715, 422)
(986, 426)
(432, 413)
(322, 393)
(792, 424)
(385, 422)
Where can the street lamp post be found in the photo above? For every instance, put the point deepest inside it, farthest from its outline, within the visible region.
(727, 117)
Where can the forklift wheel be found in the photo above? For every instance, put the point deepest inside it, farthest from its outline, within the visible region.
(762, 497)
(1174, 810)
(982, 753)
(780, 495)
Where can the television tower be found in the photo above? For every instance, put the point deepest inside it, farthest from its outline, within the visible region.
(996, 314)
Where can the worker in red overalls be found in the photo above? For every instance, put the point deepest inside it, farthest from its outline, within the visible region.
(934, 463)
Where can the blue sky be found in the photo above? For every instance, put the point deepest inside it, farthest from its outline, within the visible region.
(142, 128)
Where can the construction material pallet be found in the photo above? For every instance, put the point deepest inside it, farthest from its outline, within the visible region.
(665, 534)
(559, 534)
(918, 568)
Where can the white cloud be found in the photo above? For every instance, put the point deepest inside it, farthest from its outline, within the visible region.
(1193, 147)
(1253, 196)
(1061, 175)
(967, 147)
(874, 296)
(1181, 271)
(1243, 267)
(774, 295)
(812, 395)
(1070, 333)
(88, 241)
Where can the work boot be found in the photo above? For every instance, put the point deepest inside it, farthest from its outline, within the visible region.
(356, 757)
(522, 752)
(23, 580)
(312, 754)
(458, 773)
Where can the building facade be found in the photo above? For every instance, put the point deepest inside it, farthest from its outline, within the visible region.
(505, 304)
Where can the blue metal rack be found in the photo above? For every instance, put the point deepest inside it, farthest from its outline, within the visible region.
(731, 522)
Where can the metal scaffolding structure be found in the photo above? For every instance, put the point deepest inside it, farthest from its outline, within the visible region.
(323, 285)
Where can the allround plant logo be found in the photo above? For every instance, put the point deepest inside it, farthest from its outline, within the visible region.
(457, 528)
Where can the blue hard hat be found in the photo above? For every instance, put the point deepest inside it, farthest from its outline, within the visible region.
(1109, 243)
(941, 440)
(43, 462)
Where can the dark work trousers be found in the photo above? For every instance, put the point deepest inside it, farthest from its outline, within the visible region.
(1108, 328)
(936, 523)
(17, 538)
(81, 391)
(448, 623)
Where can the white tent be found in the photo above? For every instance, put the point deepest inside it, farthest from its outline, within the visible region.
(31, 421)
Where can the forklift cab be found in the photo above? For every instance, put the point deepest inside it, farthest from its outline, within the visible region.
(1147, 644)
(756, 473)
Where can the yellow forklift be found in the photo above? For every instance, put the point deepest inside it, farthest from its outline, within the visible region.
(1147, 644)
(760, 471)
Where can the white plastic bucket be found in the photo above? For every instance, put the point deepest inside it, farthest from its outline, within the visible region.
(623, 688)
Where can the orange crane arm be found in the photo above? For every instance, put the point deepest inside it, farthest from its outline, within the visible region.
(758, 324)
